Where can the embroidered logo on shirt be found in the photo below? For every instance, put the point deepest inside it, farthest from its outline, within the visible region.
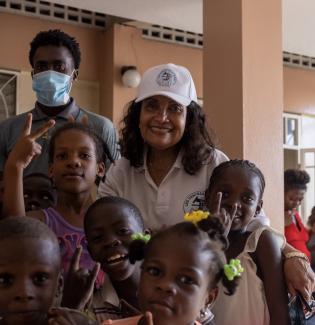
(194, 201)
(166, 78)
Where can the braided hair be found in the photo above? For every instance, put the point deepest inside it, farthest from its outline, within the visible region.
(235, 163)
(210, 231)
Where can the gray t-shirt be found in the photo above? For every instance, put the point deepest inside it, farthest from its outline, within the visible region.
(11, 129)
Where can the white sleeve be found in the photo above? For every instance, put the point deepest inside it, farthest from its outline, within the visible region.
(259, 221)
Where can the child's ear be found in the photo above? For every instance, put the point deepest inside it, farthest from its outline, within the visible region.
(259, 207)
(100, 172)
(59, 286)
(212, 296)
(50, 171)
(210, 299)
(147, 231)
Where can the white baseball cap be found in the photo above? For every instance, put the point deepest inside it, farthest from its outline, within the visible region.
(170, 80)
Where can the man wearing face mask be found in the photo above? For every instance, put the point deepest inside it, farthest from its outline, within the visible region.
(55, 59)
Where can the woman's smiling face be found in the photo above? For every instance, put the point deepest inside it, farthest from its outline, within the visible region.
(162, 122)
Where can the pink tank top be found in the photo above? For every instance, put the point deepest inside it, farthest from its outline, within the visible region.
(70, 238)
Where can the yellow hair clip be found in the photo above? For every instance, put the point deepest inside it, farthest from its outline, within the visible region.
(196, 216)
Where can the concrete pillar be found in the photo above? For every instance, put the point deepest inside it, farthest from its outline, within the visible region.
(243, 87)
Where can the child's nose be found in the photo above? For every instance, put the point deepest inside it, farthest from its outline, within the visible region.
(74, 161)
(24, 291)
(167, 286)
(114, 242)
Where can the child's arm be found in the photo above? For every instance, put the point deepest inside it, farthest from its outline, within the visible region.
(23, 152)
(269, 263)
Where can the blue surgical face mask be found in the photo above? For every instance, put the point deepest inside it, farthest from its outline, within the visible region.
(52, 88)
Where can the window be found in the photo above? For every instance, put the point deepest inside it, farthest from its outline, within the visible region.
(8, 94)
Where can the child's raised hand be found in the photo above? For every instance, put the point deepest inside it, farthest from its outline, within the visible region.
(147, 319)
(79, 284)
(26, 147)
(225, 216)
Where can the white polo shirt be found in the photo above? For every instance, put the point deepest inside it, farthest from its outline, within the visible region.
(165, 204)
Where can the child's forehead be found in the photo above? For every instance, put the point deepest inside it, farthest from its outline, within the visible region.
(65, 134)
(189, 254)
(29, 250)
(111, 213)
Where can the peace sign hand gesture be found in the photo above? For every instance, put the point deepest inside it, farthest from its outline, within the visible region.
(26, 147)
(79, 284)
(222, 214)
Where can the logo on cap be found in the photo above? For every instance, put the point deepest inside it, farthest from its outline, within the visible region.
(166, 78)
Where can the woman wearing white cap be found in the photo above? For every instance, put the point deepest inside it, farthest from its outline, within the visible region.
(168, 157)
(168, 154)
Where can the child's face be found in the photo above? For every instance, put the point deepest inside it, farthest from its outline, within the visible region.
(38, 193)
(175, 280)
(75, 167)
(109, 236)
(293, 198)
(240, 187)
(29, 280)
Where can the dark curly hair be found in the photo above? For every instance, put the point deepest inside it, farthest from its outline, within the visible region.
(197, 144)
(58, 38)
(210, 231)
(295, 179)
(101, 148)
(235, 163)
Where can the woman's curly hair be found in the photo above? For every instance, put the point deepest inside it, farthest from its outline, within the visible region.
(197, 143)
(210, 231)
(295, 179)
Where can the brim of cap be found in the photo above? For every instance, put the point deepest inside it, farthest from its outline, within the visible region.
(177, 98)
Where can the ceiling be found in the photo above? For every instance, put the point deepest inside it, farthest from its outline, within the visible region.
(298, 17)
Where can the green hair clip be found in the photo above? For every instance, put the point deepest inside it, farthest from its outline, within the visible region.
(233, 269)
(140, 236)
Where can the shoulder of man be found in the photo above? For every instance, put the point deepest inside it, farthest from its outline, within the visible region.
(98, 120)
(13, 121)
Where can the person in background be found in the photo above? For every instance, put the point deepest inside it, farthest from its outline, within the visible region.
(294, 189)
(55, 60)
(1, 190)
(311, 242)
(39, 192)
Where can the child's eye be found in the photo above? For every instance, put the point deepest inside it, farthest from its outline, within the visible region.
(225, 194)
(123, 231)
(154, 271)
(186, 280)
(6, 279)
(96, 238)
(85, 156)
(40, 278)
(248, 199)
(61, 156)
(47, 197)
